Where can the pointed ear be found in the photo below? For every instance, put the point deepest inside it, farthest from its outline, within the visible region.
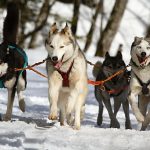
(53, 28)
(119, 55)
(138, 39)
(66, 30)
(107, 55)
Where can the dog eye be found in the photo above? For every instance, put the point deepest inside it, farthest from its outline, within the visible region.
(61, 46)
(139, 47)
(109, 67)
(51, 46)
(148, 48)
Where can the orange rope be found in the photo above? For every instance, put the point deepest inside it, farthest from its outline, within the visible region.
(92, 82)
(109, 78)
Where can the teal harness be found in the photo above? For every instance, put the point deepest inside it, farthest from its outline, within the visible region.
(23, 54)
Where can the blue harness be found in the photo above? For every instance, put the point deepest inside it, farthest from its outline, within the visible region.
(23, 54)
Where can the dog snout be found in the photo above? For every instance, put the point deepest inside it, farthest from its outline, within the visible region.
(54, 58)
(143, 54)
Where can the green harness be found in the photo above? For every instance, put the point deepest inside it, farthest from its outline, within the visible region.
(23, 54)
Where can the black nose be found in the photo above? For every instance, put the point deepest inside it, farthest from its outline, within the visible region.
(55, 59)
(143, 54)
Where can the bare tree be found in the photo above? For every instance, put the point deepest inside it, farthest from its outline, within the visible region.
(75, 17)
(148, 32)
(111, 28)
(99, 9)
(39, 23)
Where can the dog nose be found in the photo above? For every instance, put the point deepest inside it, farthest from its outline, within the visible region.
(54, 58)
(143, 54)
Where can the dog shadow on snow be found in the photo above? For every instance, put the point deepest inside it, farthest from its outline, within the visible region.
(38, 117)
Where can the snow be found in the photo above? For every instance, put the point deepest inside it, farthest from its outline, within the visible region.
(33, 131)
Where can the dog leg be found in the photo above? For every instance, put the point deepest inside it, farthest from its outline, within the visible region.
(62, 116)
(143, 103)
(79, 107)
(146, 121)
(11, 96)
(114, 122)
(100, 112)
(117, 104)
(126, 112)
(136, 111)
(54, 87)
(82, 112)
(20, 89)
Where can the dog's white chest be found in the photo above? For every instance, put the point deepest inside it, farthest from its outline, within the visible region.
(3, 69)
(143, 74)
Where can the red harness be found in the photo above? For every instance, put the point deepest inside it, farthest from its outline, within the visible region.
(65, 75)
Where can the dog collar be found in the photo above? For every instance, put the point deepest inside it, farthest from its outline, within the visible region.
(145, 90)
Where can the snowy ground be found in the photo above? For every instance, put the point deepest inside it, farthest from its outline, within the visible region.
(24, 131)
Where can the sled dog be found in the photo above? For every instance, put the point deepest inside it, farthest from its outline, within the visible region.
(67, 76)
(117, 88)
(140, 80)
(11, 57)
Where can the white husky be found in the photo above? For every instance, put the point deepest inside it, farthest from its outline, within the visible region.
(67, 76)
(140, 80)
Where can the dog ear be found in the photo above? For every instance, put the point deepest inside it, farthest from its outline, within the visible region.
(107, 55)
(119, 55)
(137, 40)
(53, 29)
(66, 30)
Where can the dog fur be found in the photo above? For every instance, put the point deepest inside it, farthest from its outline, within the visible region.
(65, 53)
(10, 59)
(140, 75)
(110, 66)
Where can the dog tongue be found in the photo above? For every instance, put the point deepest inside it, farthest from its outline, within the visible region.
(142, 60)
(58, 65)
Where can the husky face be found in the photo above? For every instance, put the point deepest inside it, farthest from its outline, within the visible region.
(112, 65)
(140, 51)
(60, 45)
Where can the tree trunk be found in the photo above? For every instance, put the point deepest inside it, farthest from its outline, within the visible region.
(99, 8)
(111, 28)
(40, 18)
(75, 16)
(148, 32)
(39, 23)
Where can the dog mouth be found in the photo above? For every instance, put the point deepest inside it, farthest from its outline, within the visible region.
(142, 60)
(58, 64)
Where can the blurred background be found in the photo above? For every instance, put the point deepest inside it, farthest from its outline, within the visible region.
(99, 25)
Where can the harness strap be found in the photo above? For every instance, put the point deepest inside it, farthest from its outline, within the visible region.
(145, 90)
(65, 75)
(22, 53)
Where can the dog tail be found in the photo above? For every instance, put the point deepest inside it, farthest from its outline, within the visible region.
(96, 68)
(11, 23)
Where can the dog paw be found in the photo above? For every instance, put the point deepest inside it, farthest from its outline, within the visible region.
(77, 127)
(114, 124)
(140, 117)
(52, 117)
(7, 118)
(22, 105)
(128, 125)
